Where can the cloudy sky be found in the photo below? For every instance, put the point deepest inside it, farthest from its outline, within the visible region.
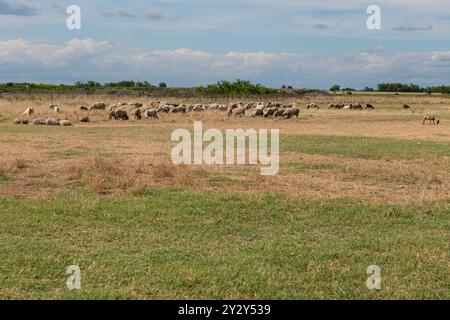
(192, 42)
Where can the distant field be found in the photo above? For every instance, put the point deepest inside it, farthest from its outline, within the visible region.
(355, 188)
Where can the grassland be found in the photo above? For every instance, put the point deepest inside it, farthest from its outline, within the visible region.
(355, 189)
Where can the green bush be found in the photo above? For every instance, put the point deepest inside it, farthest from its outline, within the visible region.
(236, 87)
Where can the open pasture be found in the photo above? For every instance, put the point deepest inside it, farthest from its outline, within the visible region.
(355, 188)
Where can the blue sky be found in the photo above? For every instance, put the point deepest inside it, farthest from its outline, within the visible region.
(185, 43)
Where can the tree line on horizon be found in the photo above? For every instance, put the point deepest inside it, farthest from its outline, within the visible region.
(398, 87)
(220, 87)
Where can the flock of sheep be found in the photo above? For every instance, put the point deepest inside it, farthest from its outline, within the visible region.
(123, 111)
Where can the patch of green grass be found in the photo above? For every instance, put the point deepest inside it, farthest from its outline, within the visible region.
(364, 147)
(302, 167)
(175, 244)
(221, 181)
(3, 177)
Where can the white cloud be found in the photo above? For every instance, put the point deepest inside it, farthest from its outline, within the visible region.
(21, 60)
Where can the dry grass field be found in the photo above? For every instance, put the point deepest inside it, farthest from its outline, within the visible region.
(355, 188)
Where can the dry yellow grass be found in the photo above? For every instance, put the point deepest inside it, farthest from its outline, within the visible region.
(109, 157)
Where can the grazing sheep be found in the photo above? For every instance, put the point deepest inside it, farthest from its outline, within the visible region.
(356, 106)
(269, 112)
(249, 106)
(369, 106)
(312, 106)
(28, 112)
(138, 115)
(289, 113)
(258, 113)
(239, 112)
(405, 106)
(178, 109)
(84, 108)
(331, 106)
(112, 115)
(52, 122)
(122, 115)
(431, 118)
(152, 113)
(55, 108)
(21, 121)
(164, 108)
(278, 113)
(65, 123)
(39, 122)
(222, 108)
(230, 111)
(198, 108)
(85, 119)
(98, 106)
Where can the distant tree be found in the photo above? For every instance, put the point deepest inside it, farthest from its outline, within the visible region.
(236, 87)
(438, 89)
(335, 88)
(290, 87)
(399, 87)
(162, 85)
